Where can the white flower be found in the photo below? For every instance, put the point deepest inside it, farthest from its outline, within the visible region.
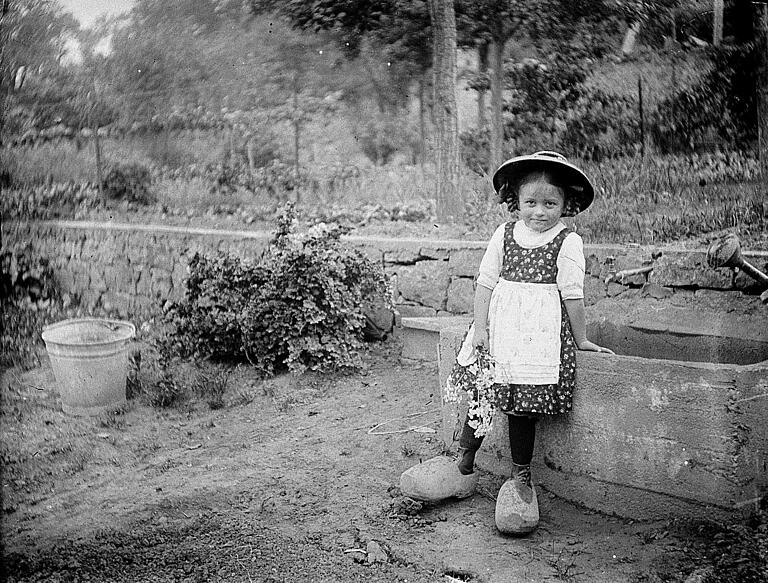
(478, 389)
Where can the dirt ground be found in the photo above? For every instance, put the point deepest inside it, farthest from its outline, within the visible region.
(294, 479)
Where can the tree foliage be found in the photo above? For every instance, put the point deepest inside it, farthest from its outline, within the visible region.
(32, 39)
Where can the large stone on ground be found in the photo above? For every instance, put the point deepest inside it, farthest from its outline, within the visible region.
(437, 479)
(517, 508)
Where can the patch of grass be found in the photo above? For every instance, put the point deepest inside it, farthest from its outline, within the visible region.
(211, 384)
(114, 418)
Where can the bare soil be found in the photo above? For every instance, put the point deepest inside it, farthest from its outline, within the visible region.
(294, 479)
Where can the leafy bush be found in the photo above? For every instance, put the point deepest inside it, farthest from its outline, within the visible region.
(129, 182)
(739, 552)
(721, 107)
(300, 305)
(380, 138)
(29, 299)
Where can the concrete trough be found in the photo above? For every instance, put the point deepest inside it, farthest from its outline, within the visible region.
(674, 425)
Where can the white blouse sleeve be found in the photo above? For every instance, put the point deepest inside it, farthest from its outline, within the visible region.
(490, 266)
(570, 268)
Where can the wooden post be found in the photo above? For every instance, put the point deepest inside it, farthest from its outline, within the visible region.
(717, 22)
(96, 141)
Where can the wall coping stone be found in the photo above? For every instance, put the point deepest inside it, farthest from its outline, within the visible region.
(381, 242)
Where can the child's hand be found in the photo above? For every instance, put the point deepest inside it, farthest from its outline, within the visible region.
(480, 338)
(592, 347)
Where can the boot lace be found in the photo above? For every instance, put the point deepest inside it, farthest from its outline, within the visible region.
(523, 475)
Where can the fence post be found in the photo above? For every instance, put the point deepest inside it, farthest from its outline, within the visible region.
(96, 142)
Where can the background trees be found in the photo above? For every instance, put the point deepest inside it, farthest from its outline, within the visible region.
(264, 76)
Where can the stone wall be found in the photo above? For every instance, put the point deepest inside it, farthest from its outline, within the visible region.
(131, 270)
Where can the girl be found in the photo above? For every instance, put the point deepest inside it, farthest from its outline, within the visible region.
(528, 321)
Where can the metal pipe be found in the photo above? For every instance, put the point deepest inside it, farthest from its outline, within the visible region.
(620, 275)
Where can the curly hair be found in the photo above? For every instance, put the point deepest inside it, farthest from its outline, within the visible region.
(509, 192)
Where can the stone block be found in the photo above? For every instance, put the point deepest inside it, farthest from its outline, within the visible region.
(440, 254)
(689, 270)
(143, 281)
(66, 280)
(179, 274)
(120, 277)
(411, 311)
(461, 295)
(401, 256)
(593, 266)
(97, 281)
(89, 299)
(594, 290)
(425, 283)
(614, 289)
(117, 303)
(465, 262)
(161, 282)
(744, 282)
(654, 290)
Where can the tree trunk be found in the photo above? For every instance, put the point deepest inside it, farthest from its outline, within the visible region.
(96, 141)
(717, 22)
(447, 197)
(3, 91)
(296, 132)
(761, 34)
(482, 66)
(422, 123)
(496, 50)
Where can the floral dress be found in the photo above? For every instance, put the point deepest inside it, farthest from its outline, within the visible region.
(531, 345)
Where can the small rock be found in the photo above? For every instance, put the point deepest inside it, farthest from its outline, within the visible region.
(375, 553)
(700, 575)
(614, 289)
(654, 290)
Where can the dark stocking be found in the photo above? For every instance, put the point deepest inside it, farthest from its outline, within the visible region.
(522, 435)
(469, 445)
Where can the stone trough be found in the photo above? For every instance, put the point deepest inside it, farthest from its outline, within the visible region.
(675, 424)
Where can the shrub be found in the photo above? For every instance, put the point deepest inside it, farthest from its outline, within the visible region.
(738, 552)
(300, 306)
(721, 107)
(29, 299)
(129, 182)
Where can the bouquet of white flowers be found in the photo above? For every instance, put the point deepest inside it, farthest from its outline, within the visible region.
(474, 380)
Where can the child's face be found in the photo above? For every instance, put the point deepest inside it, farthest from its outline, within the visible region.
(541, 205)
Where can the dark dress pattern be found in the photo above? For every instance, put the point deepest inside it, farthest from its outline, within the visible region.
(538, 265)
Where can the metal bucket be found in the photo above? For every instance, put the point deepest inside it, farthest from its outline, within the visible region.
(89, 357)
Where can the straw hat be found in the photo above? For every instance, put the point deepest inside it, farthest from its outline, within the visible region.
(573, 181)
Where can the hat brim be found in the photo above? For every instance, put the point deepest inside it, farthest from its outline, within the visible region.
(575, 183)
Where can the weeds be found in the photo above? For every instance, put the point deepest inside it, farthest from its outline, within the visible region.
(166, 392)
(210, 384)
(114, 418)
